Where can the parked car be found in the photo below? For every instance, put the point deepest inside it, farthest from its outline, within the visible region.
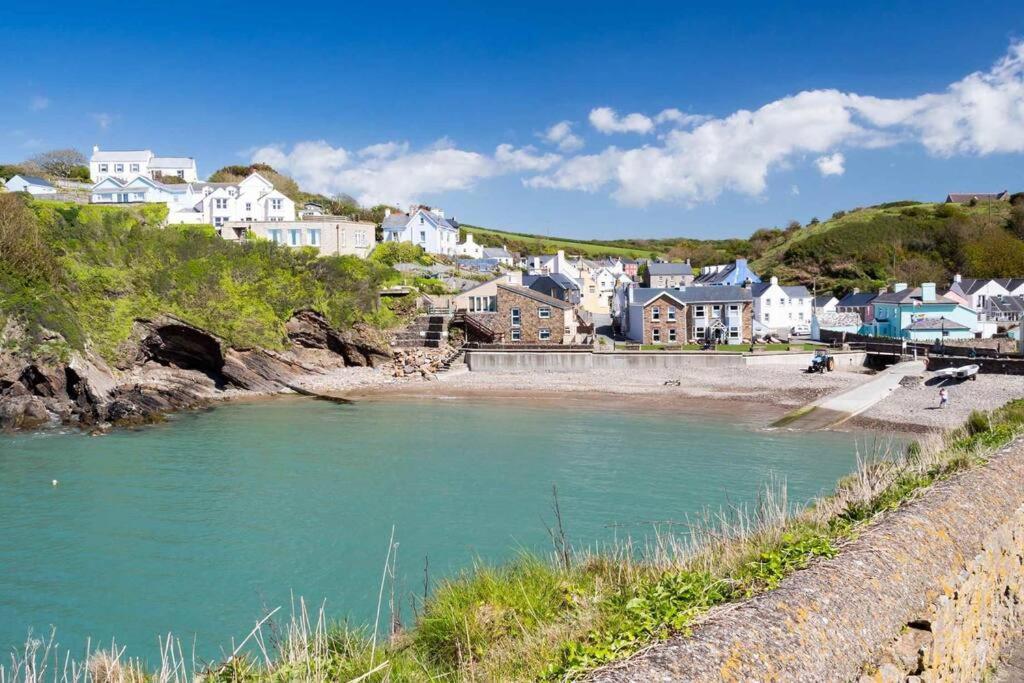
(800, 330)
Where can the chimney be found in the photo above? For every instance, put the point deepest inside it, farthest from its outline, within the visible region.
(387, 212)
(882, 290)
(899, 286)
(774, 280)
(927, 291)
(515, 277)
(95, 148)
(856, 290)
(956, 278)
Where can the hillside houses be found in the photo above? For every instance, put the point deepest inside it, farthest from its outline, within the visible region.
(128, 164)
(424, 227)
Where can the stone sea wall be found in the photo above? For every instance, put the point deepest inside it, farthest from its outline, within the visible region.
(553, 360)
(931, 592)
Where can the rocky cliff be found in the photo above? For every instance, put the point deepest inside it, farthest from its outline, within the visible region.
(166, 364)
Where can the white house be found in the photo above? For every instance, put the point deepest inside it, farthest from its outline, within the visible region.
(427, 228)
(130, 163)
(975, 291)
(778, 307)
(253, 199)
(34, 185)
(469, 248)
(552, 263)
(329, 237)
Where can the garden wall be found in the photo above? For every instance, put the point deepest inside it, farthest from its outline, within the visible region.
(931, 592)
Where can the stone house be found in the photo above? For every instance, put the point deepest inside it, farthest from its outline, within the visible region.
(530, 317)
(688, 314)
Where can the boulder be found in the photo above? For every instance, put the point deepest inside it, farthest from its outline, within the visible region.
(360, 345)
(23, 412)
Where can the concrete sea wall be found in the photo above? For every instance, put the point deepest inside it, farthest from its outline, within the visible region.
(575, 361)
(931, 592)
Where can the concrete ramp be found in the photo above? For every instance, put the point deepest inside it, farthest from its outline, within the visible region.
(831, 410)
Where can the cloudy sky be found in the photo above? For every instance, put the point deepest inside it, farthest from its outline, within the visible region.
(577, 119)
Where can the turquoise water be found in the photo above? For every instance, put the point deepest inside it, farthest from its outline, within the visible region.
(199, 524)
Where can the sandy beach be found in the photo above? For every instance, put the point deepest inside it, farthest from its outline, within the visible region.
(767, 390)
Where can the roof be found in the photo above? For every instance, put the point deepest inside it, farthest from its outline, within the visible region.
(662, 268)
(496, 252)
(981, 196)
(32, 180)
(693, 295)
(123, 155)
(822, 299)
(558, 279)
(1005, 304)
(936, 324)
(792, 291)
(172, 162)
(1011, 283)
(907, 295)
(970, 285)
(857, 299)
(834, 319)
(714, 275)
(398, 221)
(536, 296)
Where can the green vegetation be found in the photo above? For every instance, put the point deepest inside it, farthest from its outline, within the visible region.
(87, 272)
(559, 618)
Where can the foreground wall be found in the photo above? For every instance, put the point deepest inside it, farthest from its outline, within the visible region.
(574, 361)
(929, 593)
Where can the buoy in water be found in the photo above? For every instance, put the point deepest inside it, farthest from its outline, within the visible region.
(55, 482)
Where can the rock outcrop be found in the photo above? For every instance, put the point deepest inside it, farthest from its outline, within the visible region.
(168, 364)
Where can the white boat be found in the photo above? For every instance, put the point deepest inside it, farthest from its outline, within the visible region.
(946, 372)
(967, 371)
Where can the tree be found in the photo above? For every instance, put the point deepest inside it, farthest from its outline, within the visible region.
(59, 163)
(1016, 221)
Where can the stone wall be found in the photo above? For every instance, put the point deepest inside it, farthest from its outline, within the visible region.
(530, 321)
(930, 592)
(663, 324)
(999, 366)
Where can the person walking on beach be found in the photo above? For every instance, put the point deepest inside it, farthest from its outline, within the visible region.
(943, 397)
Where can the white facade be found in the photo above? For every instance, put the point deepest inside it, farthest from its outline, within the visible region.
(469, 248)
(31, 184)
(547, 264)
(427, 228)
(253, 199)
(334, 237)
(131, 163)
(778, 307)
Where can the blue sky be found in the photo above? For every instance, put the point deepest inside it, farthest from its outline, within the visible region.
(455, 105)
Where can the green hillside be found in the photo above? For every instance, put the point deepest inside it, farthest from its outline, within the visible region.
(865, 247)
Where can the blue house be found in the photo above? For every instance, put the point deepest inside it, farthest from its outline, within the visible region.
(736, 274)
(920, 314)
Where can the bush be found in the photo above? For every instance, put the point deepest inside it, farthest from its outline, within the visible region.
(390, 253)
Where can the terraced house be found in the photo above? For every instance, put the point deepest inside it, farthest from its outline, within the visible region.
(723, 314)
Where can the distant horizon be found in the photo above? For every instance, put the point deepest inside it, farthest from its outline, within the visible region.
(662, 121)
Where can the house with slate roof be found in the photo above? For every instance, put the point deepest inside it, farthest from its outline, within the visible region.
(555, 285)
(736, 273)
(34, 185)
(424, 227)
(652, 315)
(127, 164)
(973, 292)
(825, 303)
(780, 307)
(968, 197)
(858, 302)
(896, 312)
(528, 316)
(663, 274)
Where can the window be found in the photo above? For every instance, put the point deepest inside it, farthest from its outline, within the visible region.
(734, 333)
(672, 334)
(544, 334)
(593, 289)
(656, 313)
(698, 332)
(314, 237)
(181, 174)
(135, 168)
(218, 220)
(800, 316)
(118, 168)
(734, 308)
(360, 238)
(544, 312)
(275, 235)
(423, 235)
(421, 220)
(766, 316)
(716, 310)
(516, 335)
(699, 311)
(295, 237)
(516, 317)
(672, 313)
(248, 206)
(275, 204)
(220, 203)
(104, 168)
(656, 335)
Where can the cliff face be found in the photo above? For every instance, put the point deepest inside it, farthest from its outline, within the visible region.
(166, 364)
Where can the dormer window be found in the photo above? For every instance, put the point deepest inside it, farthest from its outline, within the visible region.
(104, 168)
(118, 168)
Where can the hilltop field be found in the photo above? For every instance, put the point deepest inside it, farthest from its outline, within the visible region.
(864, 247)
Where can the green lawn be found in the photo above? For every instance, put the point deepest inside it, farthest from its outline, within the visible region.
(539, 244)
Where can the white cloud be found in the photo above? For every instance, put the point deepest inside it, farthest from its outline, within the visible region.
(103, 120)
(391, 173)
(679, 118)
(795, 190)
(605, 120)
(561, 134)
(833, 164)
(982, 113)
(38, 103)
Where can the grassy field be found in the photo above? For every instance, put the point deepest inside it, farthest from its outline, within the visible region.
(539, 244)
